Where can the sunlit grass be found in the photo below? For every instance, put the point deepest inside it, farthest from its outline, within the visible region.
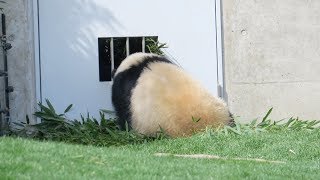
(286, 154)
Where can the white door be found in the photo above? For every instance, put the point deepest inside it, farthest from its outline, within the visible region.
(68, 31)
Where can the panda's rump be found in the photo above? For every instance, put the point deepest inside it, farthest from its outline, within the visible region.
(167, 97)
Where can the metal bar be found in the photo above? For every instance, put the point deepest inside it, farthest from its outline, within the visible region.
(219, 48)
(127, 46)
(112, 54)
(5, 123)
(3, 23)
(5, 64)
(143, 44)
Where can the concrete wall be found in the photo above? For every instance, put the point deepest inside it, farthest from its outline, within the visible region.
(20, 58)
(272, 57)
(271, 49)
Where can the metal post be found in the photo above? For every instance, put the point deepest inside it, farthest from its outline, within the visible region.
(112, 54)
(127, 46)
(8, 89)
(143, 44)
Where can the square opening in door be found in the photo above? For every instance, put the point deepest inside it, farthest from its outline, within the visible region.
(112, 50)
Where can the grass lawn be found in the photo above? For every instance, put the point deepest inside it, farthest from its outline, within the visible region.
(298, 150)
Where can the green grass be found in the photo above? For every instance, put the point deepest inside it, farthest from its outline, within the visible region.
(90, 148)
(299, 150)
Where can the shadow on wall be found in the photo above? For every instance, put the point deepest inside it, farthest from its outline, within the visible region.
(69, 32)
(87, 20)
(83, 21)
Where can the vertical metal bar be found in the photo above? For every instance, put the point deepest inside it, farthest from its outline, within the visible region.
(5, 123)
(112, 54)
(6, 81)
(127, 46)
(219, 48)
(3, 22)
(38, 56)
(143, 44)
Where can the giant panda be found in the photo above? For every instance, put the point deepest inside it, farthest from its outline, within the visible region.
(151, 93)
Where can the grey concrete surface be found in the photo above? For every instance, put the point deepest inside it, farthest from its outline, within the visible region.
(21, 58)
(271, 51)
(272, 57)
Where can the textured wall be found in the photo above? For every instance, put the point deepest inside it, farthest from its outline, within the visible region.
(20, 58)
(272, 57)
(2, 95)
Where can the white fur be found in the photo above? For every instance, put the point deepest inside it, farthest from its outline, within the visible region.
(167, 97)
(132, 60)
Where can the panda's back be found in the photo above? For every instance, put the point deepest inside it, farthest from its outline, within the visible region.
(125, 80)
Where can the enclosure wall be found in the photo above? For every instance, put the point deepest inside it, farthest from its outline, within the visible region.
(272, 57)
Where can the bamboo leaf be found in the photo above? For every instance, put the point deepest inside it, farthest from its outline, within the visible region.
(68, 108)
(50, 106)
(107, 111)
(266, 116)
